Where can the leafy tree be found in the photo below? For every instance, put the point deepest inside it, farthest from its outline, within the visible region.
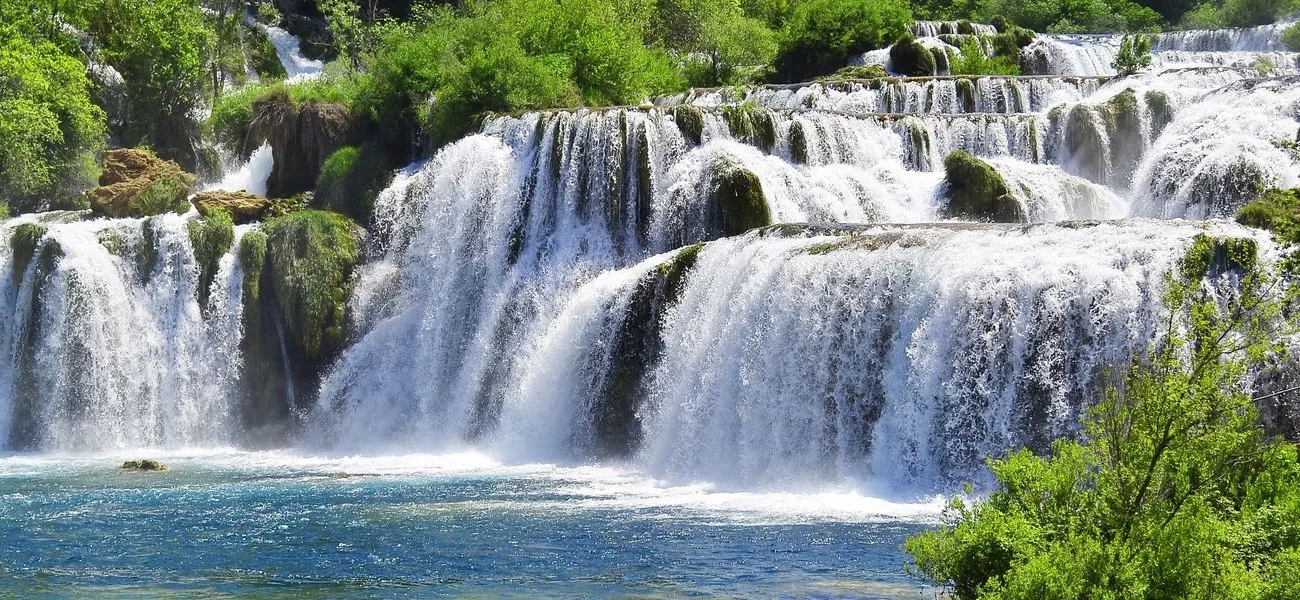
(1133, 56)
(1073, 16)
(973, 61)
(49, 129)
(157, 46)
(821, 35)
(1174, 492)
(719, 40)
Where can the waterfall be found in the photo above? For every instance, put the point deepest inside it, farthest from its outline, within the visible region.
(1264, 38)
(296, 66)
(899, 357)
(108, 345)
(251, 176)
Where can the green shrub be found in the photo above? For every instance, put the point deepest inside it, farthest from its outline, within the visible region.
(973, 61)
(1277, 211)
(230, 122)
(1073, 16)
(856, 72)
(351, 179)
(1134, 55)
(821, 35)
(909, 58)
(1173, 492)
(261, 55)
(1291, 37)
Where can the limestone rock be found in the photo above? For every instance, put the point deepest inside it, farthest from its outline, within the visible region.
(242, 206)
(135, 183)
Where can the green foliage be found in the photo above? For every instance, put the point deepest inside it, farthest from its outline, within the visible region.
(1174, 490)
(261, 55)
(162, 195)
(210, 238)
(230, 122)
(1291, 37)
(157, 46)
(1134, 55)
(252, 258)
(1073, 16)
(973, 61)
(856, 73)
(311, 256)
(722, 44)
(821, 35)
(351, 179)
(1237, 13)
(1277, 211)
(49, 129)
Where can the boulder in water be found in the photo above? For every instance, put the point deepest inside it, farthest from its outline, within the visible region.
(908, 57)
(135, 183)
(242, 206)
(690, 120)
(145, 464)
(977, 192)
(737, 203)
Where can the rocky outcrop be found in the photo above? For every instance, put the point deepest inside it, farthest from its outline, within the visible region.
(636, 348)
(135, 183)
(301, 135)
(146, 464)
(908, 57)
(1104, 142)
(977, 192)
(242, 206)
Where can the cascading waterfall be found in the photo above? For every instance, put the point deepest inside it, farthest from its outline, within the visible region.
(296, 66)
(108, 345)
(638, 284)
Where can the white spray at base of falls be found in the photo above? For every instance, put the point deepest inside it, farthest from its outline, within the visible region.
(251, 176)
(108, 349)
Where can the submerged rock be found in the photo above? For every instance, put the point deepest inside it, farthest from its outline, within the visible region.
(135, 183)
(242, 206)
(977, 192)
(146, 464)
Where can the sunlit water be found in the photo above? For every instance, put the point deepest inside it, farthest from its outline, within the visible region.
(225, 524)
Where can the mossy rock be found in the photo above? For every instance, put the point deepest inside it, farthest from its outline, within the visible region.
(737, 203)
(310, 257)
(23, 242)
(241, 206)
(351, 179)
(146, 464)
(1277, 211)
(690, 120)
(751, 124)
(135, 183)
(908, 57)
(1227, 188)
(1160, 111)
(965, 27)
(798, 143)
(210, 239)
(977, 192)
(856, 72)
(113, 242)
(942, 61)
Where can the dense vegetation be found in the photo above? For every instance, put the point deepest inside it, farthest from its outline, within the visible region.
(1174, 490)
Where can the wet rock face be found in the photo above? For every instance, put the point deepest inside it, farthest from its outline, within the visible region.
(242, 206)
(908, 57)
(301, 136)
(135, 183)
